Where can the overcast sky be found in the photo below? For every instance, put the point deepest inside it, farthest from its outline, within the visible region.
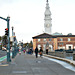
(27, 17)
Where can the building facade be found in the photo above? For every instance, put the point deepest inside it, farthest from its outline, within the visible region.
(54, 42)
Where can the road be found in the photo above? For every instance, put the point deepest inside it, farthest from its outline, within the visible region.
(26, 64)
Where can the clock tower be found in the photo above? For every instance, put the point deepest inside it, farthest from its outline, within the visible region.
(47, 19)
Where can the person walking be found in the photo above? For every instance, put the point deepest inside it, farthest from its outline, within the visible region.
(36, 52)
(19, 52)
(47, 51)
(31, 50)
(24, 51)
(41, 52)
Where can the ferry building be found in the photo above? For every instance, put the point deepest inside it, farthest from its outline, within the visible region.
(51, 41)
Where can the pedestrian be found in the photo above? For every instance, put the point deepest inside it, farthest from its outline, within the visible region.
(36, 52)
(24, 51)
(19, 51)
(46, 51)
(31, 50)
(41, 52)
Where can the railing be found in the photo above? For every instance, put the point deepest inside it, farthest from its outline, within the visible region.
(63, 54)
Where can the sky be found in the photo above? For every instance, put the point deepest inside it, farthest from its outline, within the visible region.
(27, 17)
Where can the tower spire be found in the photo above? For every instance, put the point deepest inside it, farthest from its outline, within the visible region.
(47, 0)
(48, 19)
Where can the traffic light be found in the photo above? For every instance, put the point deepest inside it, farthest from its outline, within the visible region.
(6, 31)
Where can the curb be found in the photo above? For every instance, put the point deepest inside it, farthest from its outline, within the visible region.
(63, 59)
(3, 58)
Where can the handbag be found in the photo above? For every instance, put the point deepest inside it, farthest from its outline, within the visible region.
(40, 53)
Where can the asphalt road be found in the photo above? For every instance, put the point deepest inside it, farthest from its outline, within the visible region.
(26, 64)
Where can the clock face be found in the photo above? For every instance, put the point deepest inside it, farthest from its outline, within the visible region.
(47, 25)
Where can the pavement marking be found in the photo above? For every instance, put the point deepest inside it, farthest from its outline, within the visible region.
(19, 72)
(39, 61)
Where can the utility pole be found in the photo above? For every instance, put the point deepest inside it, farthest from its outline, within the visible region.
(8, 37)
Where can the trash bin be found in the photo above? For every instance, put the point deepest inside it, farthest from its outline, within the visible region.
(73, 56)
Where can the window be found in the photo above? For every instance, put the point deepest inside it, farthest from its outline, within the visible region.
(38, 40)
(69, 39)
(50, 39)
(60, 43)
(39, 46)
(44, 39)
(61, 39)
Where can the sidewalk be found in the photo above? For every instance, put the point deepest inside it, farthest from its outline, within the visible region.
(30, 65)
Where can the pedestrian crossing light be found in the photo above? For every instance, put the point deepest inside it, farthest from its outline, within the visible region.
(6, 31)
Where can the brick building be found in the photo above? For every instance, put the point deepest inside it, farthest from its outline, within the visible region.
(53, 42)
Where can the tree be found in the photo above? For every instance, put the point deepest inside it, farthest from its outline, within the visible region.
(28, 45)
(4, 40)
(31, 44)
(25, 44)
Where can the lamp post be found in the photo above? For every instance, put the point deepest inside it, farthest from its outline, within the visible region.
(27, 46)
(16, 47)
(8, 45)
(12, 30)
(47, 45)
(12, 43)
(22, 45)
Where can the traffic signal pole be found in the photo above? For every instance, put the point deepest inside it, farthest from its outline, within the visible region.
(8, 45)
(8, 37)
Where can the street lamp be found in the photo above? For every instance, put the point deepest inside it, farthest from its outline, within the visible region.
(12, 30)
(22, 44)
(8, 45)
(12, 43)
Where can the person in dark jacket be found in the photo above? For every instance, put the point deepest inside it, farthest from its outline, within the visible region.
(41, 52)
(46, 51)
(36, 52)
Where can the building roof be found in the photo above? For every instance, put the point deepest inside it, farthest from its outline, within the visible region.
(56, 33)
(46, 35)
